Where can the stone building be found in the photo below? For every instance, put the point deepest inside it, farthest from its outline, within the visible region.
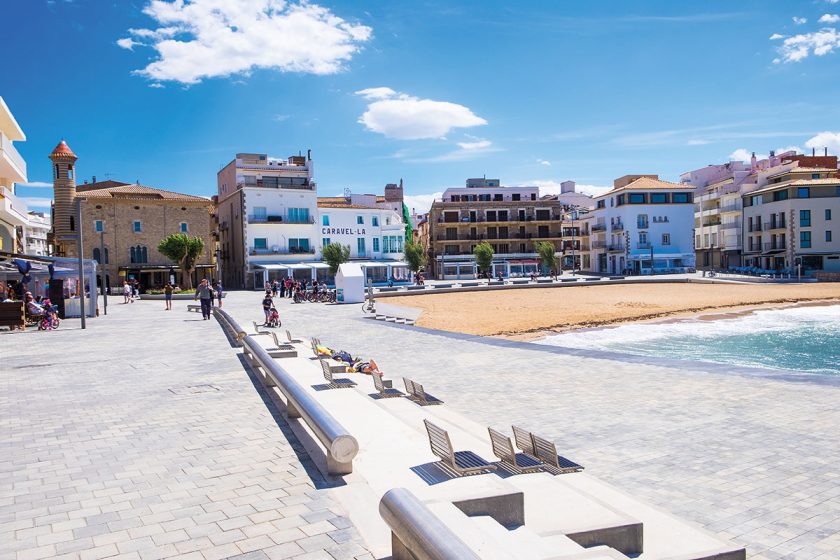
(123, 223)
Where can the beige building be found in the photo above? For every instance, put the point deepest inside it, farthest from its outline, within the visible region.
(123, 223)
(13, 213)
(791, 221)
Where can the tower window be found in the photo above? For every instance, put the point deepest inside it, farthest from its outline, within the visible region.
(99, 226)
(70, 171)
(56, 171)
(183, 227)
(138, 227)
(72, 223)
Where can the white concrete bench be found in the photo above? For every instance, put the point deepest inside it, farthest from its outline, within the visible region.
(193, 307)
(397, 313)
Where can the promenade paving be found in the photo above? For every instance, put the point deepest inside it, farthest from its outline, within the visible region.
(143, 437)
(753, 458)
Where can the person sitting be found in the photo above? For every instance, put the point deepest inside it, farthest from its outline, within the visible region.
(33, 309)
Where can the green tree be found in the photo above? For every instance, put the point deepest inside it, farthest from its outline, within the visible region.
(334, 254)
(483, 253)
(414, 256)
(184, 250)
(547, 255)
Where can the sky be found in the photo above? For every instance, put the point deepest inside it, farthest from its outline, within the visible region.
(165, 92)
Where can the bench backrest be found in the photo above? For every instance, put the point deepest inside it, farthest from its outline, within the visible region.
(326, 369)
(439, 442)
(546, 451)
(289, 335)
(315, 343)
(409, 385)
(377, 382)
(502, 448)
(418, 391)
(524, 441)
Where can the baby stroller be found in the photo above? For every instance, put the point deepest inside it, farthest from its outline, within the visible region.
(273, 318)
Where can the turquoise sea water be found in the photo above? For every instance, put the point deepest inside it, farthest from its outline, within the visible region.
(803, 339)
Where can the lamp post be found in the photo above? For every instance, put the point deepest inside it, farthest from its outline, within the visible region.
(102, 272)
(79, 247)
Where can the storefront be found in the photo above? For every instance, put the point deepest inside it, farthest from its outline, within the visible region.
(65, 272)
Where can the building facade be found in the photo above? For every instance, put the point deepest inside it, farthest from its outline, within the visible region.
(122, 225)
(272, 224)
(642, 226)
(36, 233)
(13, 212)
(511, 219)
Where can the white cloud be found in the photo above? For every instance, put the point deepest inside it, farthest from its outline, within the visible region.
(799, 47)
(776, 36)
(36, 201)
(549, 186)
(475, 146)
(829, 18)
(698, 142)
(36, 185)
(799, 20)
(200, 39)
(127, 43)
(156, 85)
(743, 154)
(281, 118)
(421, 203)
(830, 140)
(405, 117)
(544, 162)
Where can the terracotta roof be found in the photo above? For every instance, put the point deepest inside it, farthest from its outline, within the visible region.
(63, 150)
(802, 170)
(648, 184)
(99, 185)
(796, 183)
(140, 192)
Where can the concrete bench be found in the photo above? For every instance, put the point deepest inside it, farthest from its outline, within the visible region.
(193, 307)
(544, 281)
(616, 277)
(415, 287)
(438, 286)
(520, 281)
(397, 313)
(470, 284)
(568, 279)
(391, 289)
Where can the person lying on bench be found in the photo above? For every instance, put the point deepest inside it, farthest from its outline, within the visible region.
(353, 364)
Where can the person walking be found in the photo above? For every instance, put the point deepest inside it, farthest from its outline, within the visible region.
(217, 287)
(126, 291)
(205, 293)
(167, 295)
(282, 284)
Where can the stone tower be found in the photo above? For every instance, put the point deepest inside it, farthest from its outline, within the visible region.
(64, 195)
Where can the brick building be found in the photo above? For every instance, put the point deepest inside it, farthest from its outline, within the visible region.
(123, 224)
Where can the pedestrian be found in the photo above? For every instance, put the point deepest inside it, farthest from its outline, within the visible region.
(282, 284)
(274, 288)
(217, 287)
(288, 283)
(126, 291)
(267, 302)
(167, 295)
(205, 293)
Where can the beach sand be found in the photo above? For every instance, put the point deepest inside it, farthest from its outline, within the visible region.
(527, 314)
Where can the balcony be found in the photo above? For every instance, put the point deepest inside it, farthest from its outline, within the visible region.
(730, 208)
(618, 226)
(774, 225)
(599, 245)
(642, 224)
(777, 246)
(599, 227)
(279, 219)
(615, 247)
(11, 162)
(306, 186)
(643, 246)
(732, 225)
(714, 221)
(279, 251)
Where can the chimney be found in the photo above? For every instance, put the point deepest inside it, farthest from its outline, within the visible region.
(567, 187)
(753, 163)
(94, 179)
(772, 153)
(826, 151)
(309, 154)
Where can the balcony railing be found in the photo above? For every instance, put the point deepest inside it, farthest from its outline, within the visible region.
(643, 246)
(618, 226)
(279, 219)
(309, 186)
(278, 251)
(731, 225)
(774, 246)
(711, 222)
(774, 225)
(730, 208)
(599, 227)
(642, 224)
(599, 244)
(8, 149)
(615, 247)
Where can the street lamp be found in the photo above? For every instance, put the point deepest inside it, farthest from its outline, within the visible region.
(79, 247)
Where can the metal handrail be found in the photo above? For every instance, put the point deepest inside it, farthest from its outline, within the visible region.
(419, 530)
(230, 324)
(341, 447)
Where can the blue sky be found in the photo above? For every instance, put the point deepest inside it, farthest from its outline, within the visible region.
(166, 92)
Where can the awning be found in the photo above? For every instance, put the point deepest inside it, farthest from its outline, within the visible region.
(272, 266)
(319, 265)
(299, 266)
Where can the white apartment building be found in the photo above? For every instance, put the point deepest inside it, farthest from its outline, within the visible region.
(272, 224)
(13, 212)
(35, 234)
(642, 226)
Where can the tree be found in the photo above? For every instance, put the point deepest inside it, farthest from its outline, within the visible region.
(184, 250)
(414, 256)
(483, 253)
(547, 255)
(334, 254)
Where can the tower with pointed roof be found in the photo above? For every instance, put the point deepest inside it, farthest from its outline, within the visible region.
(64, 196)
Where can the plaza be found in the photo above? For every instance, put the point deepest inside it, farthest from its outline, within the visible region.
(145, 436)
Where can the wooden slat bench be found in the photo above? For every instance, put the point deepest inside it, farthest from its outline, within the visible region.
(332, 382)
(461, 462)
(417, 394)
(12, 315)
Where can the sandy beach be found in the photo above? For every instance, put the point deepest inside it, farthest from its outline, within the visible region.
(526, 314)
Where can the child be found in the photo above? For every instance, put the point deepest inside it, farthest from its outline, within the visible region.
(267, 304)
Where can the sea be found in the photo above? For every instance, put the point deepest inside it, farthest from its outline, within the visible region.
(803, 339)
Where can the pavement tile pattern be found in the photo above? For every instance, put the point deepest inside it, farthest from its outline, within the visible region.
(143, 437)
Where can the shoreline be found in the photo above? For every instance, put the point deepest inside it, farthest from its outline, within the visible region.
(712, 313)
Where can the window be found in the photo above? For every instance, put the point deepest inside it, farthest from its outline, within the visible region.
(601, 204)
(828, 236)
(97, 255)
(658, 198)
(299, 215)
(805, 218)
(620, 200)
(666, 238)
(780, 195)
(828, 214)
(360, 245)
(360, 220)
(183, 227)
(298, 245)
(69, 171)
(375, 244)
(681, 198)
(815, 175)
(643, 238)
(755, 200)
(138, 254)
(259, 213)
(138, 227)
(260, 243)
(642, 221)
(374, 221)
(805, 239)
(56, 171)
(636, 198)
(132, 255)
(325, 220)
(325, 241)
(99, 226)
(803, 192)
(72, 223)
(515, 197)
(107, 260)
(387, 221)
